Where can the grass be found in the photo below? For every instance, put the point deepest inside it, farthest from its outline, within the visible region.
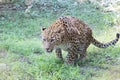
(22, 56)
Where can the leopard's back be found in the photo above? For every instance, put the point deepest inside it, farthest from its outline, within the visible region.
(76, 29)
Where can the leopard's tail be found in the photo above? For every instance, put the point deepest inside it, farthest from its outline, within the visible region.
(105, 45)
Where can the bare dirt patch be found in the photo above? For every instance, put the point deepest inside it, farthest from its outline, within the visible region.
(3, 67)
(12, 7)
(3, 53)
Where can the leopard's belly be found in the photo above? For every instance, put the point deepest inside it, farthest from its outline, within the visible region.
(68, 47)
(65, 46)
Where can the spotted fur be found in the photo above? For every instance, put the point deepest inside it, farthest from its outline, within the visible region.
(71, 35)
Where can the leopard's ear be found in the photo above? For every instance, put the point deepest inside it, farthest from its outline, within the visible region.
(43, 28)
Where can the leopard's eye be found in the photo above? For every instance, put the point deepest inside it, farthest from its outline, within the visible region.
(52, 40)
(44, 39)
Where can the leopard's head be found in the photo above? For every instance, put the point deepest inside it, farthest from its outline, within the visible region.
(51, 38)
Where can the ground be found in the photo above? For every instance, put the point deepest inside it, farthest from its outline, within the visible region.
(22, 56)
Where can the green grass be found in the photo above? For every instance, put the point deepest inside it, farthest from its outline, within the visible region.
(22, 56)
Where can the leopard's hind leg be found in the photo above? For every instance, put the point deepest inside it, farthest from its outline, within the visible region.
(82, 55)
(72, 55)
(82, 51)
(71, 58)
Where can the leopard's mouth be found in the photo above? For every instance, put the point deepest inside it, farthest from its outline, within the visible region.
(49, 50)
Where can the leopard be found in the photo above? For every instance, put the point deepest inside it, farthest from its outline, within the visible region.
(72, 35)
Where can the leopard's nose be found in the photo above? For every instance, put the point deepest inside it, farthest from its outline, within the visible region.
(48, 50)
